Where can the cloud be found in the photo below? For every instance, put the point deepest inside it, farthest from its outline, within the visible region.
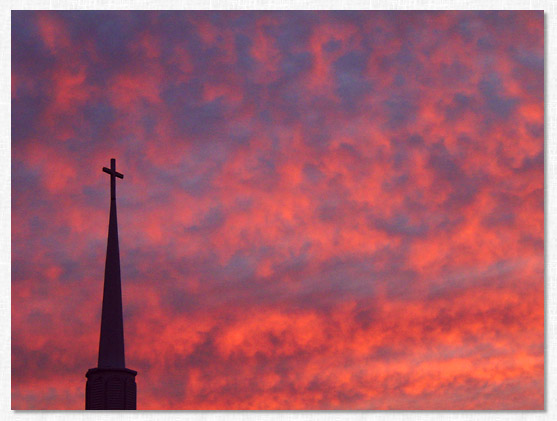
(320, 210)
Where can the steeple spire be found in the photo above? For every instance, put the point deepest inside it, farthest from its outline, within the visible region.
(111, 385)
(111, 346)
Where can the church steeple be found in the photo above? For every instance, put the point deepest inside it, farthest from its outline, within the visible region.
(111, 385)
(111, 346)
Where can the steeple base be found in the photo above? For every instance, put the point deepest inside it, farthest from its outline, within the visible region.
(110, 388)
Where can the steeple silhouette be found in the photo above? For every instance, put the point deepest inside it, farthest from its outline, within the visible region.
(111, 346)
(111, 385)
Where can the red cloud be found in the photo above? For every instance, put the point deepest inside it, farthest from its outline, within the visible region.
(321, 213)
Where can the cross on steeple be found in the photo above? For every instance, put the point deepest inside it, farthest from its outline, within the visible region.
(113, 173)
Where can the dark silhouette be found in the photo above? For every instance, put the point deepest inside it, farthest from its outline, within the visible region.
(111, 385)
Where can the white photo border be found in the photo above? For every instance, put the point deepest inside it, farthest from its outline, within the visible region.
(550, 11)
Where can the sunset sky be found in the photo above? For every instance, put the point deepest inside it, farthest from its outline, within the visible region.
(319, 210)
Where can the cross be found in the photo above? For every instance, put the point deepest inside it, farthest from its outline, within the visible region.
(113, 173)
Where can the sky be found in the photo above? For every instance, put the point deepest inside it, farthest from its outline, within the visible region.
(319, 210)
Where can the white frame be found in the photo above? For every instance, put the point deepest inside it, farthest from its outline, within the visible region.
(550, 8)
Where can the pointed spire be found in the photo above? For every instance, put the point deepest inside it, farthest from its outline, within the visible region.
(111, 385)
(111, 346)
